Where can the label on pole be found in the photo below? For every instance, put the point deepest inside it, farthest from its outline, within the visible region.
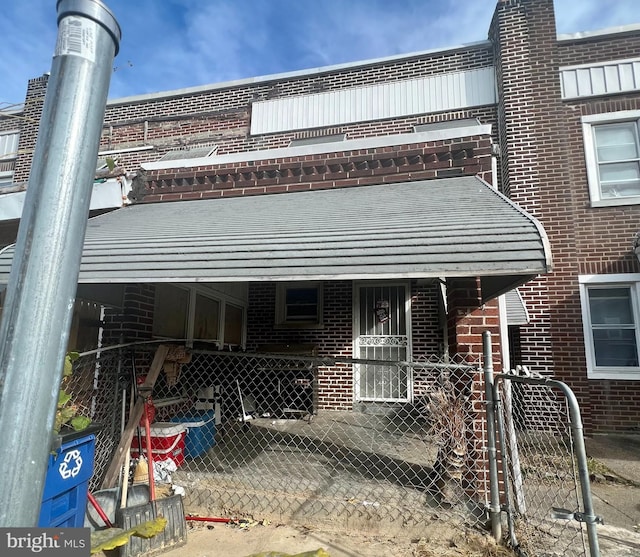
(76, 37)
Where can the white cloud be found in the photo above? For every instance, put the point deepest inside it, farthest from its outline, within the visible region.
(172, 44)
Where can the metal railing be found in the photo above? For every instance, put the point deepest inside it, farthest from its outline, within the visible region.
(547, 494)
(269, 436)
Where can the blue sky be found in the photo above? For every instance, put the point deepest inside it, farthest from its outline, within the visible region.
(172, 44)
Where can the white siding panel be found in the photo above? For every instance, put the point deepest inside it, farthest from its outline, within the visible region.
(627, 80)
(597, 81)
(606, 78)
(450, 91)
(569, 84)
(612, 78)
(585, 87)
(9, 144)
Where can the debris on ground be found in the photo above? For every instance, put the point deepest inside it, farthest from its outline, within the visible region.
(317, 553)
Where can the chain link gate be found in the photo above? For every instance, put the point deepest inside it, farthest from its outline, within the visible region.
(269, 452)
(261, 443)
(547, 494)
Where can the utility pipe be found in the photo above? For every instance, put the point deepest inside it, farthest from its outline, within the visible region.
(494, 487)
(41, 292)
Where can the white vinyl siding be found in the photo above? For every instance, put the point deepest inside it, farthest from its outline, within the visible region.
(435, 93)
(605, 78)
(8, 154)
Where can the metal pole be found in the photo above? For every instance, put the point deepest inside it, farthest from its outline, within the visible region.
(589, 516)
(494, 487)
(503, 413)
(40, 296)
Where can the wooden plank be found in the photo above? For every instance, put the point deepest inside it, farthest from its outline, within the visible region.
(113, 472)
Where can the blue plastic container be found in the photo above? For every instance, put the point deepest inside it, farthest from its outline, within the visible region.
(64, 499)
(201, 431)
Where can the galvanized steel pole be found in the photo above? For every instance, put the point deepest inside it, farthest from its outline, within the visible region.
(494, 486)
(40, 295)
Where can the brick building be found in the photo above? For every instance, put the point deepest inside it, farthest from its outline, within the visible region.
(385, 209)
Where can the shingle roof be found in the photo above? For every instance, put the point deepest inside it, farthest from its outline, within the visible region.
(453, 227)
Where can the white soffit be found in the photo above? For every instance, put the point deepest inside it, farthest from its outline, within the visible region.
(435, 93)
(108, 194)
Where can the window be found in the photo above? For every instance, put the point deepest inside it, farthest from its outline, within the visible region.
(316, 140)
(611, 325)
(299, 305)
(194, 152)
(195, 313)
(8, 154)
(612, 153)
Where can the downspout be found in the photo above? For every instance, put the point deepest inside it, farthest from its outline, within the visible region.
(40, 295)
(502, 301)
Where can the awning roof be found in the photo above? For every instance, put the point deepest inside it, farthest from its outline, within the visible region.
(453, 227)
(517, 313)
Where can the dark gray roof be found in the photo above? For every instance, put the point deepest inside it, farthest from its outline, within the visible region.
(453, 227)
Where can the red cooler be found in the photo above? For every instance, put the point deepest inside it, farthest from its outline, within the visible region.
(167, 442)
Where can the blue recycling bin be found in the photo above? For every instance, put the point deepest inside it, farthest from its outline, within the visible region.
(70, 467)
(201, 431)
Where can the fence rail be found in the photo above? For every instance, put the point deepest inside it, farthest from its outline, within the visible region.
(547, 491)
(263, 438)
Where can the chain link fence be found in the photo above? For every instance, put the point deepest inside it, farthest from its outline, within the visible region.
(264, 436)
(259, 441)
(547, 492)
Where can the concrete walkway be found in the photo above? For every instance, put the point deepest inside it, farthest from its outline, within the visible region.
(615, 490)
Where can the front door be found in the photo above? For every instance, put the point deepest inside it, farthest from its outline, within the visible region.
(382, 332)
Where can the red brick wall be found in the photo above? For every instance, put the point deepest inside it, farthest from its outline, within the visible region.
(544, 171)
(134, 322)
(29, 121)
(223, 114)
(335, 383)
(471, 156)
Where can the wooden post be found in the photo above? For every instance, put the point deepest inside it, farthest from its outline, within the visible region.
(113, 472)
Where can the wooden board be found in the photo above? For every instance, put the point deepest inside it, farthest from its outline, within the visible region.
(113, 472)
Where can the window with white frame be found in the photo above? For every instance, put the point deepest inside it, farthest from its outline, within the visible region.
(299, 305)
(8, 155)
(196, 314)
(611, 325)
(612, 153)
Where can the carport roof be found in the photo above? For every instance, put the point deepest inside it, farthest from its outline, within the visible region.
(450, 227)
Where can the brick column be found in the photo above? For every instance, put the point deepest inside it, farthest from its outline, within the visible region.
(468, 318)
(34, 101)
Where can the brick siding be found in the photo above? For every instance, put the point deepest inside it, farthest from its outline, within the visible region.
(540, 165)
(548, 179)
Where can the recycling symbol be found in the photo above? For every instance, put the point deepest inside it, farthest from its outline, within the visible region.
(70, 465)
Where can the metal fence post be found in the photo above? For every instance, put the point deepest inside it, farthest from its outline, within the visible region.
(43, 281)
(494, 487)
(589, 516)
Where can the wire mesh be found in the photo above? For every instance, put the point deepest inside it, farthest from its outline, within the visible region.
(541, 469)
(259, 440)
(100, 388)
